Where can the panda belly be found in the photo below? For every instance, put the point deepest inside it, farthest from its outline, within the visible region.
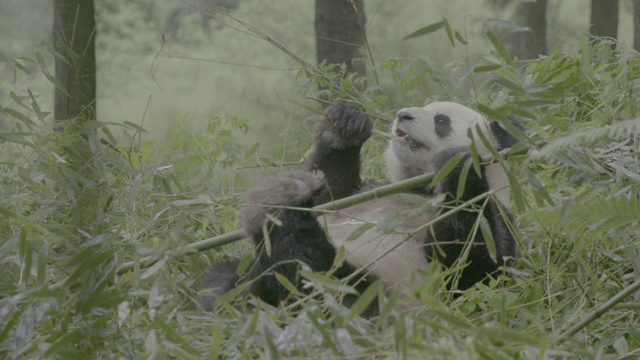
(397, 257)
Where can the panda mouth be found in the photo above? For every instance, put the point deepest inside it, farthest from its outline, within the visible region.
(405, 138)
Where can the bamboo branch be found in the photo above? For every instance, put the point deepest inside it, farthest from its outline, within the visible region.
(339, 204)
(233, 236)
(600, 310)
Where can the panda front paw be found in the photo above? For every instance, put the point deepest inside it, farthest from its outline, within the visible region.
(293, 189)
(342, 126)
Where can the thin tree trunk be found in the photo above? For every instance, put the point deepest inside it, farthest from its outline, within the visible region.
(340, 35)
(604, 18)
(531, 44)
(74, 33)
(636, 25)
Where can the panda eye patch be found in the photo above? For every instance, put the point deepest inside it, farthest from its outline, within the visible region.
(442, 125)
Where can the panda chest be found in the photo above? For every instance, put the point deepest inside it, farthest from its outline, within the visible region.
(380, 236)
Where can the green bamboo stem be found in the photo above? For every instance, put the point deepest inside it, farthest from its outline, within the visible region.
(233, 236)
(600, 310)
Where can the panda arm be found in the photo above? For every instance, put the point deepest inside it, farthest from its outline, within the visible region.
(453, 231)
(337, 139)
(296, 237)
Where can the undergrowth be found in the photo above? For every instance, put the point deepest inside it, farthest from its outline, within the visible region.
(78, 203)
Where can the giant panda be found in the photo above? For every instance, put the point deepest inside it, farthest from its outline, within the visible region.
(423, 140)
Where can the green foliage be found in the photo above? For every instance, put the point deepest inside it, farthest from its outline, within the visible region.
(79, 201)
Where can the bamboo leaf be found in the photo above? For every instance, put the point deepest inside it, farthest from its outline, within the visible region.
(447, 168)
(462, 180)
(453, 319)
(461, 38)
(487, 143)
(504, 54)
(25, 119)
(425, 30)
(486, 68)
(447, 27)
(359, 231)
(287, 284)
(489, 241)
(41, 273)
(475, 157)
(364, 300)
(616, 131)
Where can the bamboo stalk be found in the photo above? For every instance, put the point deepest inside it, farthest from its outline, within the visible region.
(339, 204)
(600, 310)
(233, 236)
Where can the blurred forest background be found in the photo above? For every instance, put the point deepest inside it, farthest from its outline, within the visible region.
(103, 196)
(179, 61)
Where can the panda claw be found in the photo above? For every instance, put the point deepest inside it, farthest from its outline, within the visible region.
(342, 127)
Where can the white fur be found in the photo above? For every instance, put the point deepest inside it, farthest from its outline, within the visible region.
(404, 159)
(391, 257)
(396, 257)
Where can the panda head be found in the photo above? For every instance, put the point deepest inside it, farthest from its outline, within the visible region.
(420, 133)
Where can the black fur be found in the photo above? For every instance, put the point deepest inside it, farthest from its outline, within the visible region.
(338, 138)
(451, 233)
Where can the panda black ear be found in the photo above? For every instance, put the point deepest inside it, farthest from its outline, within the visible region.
(504, 137)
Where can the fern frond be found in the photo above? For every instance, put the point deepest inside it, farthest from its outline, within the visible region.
(595, 216)
(619, 130)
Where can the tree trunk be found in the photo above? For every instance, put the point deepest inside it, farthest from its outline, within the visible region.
(74, 33)
(533, 43)
(604, 18)
(340, 33)
(636, 25)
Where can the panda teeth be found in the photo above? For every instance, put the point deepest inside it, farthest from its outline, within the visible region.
(402, 134)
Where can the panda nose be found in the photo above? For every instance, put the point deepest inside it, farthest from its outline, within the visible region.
(403, 116)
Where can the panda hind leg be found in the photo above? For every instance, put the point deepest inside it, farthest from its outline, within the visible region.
(294, 235)
(219, 280)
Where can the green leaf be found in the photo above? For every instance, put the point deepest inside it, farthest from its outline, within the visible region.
(135, 187)
(475, 157)
(364, 300)
(489, 241)
(244, 263)
(175, 337)
(410, 198)
(287, 284)
(25, 119)
(619, 130)
(425, 30)
(461, 38)
(36, 108)
(17, 138)
(341, 255)
(486, 68)
(359, 231)
(21, 67)
(487, 143)
(327, 282)
(447, 168)
(389, 222)
(537, 187)
(26, 256)
(453, 319)
(462, 180)
(216, 343)
(492, 114)
(504, 54)
(426, 206)
(134, 126)
(42, 264)
(447, 27)
(516, 192)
